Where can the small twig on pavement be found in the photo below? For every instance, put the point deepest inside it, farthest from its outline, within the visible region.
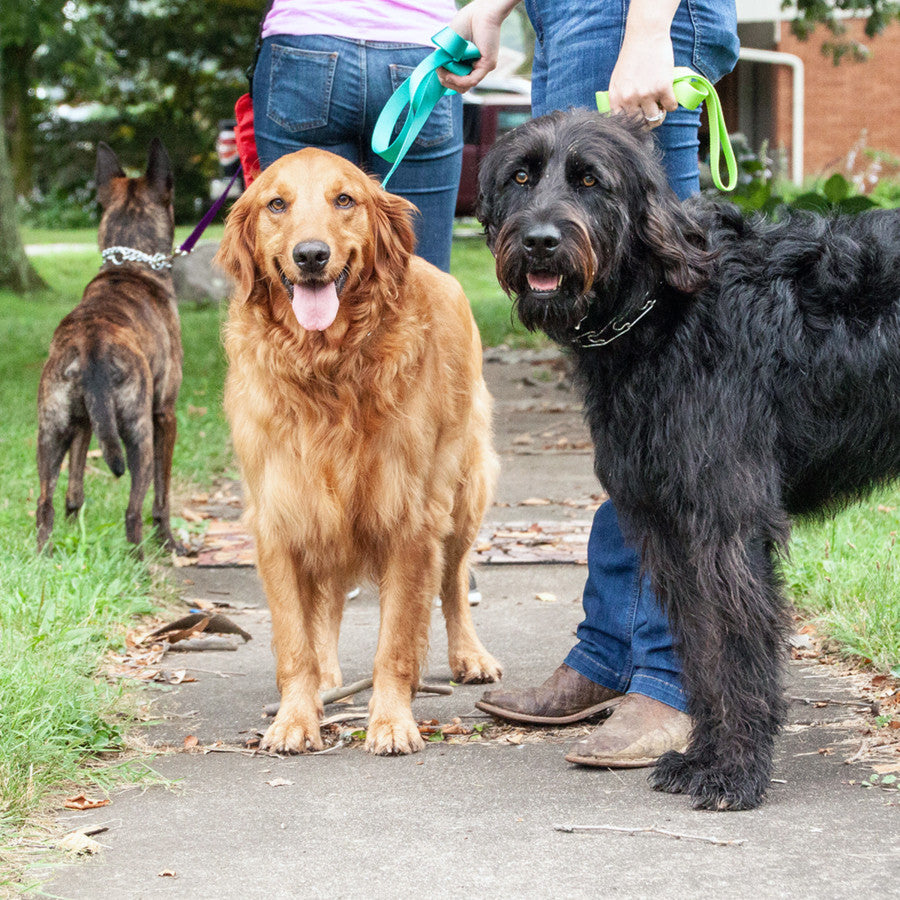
(829, 701)
(586, 829)
(221, 673)
(334, 694)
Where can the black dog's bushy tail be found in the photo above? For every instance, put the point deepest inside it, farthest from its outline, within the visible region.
(98, 398)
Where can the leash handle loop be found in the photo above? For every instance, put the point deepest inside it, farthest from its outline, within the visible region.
(692, 89)
(420, 93)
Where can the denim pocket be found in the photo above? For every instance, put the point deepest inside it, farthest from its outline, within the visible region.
(716, 43)
(438, 128)
(300, 85)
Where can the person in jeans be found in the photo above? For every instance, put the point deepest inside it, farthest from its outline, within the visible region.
(624, 657)
(324, 72)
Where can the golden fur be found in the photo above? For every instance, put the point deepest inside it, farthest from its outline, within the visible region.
(365, 448)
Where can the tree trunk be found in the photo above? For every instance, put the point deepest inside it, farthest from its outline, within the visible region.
(16, 272)
(18, 109)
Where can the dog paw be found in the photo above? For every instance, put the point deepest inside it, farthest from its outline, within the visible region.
(475, 668)
(672, 773)
(392, 737)
(292, 734)
(720, 792)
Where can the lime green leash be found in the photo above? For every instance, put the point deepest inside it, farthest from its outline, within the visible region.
(691, 90)
(419, 94)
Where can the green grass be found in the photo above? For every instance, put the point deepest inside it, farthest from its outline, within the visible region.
(472, 264)
(844, 573)
(59, 613)
(32, 235)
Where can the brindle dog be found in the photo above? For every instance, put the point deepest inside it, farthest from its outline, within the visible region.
(115, 360)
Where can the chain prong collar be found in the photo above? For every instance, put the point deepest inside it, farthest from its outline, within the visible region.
(118, 256)
(612, 329)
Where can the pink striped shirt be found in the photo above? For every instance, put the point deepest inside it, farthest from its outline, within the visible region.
(401, 21)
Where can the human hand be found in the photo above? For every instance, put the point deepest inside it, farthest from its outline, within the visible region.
(479, 22)
(641, 82)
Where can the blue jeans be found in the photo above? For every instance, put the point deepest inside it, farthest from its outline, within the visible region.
(323, 91)
(624, 642)
(574, 36)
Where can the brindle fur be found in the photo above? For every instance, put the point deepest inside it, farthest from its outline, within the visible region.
(115, 360)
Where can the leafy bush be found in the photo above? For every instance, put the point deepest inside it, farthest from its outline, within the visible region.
(872, 181)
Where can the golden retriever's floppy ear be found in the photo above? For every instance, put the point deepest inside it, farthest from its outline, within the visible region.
(235, 253)
(392, 232)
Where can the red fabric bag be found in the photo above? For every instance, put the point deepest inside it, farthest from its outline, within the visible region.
(246, 140)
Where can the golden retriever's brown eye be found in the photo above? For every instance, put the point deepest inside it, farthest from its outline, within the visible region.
(521, 177)
(276, 205)
(344, 201)
(589, 181)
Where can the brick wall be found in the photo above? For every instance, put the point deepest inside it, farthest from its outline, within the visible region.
(842, 101)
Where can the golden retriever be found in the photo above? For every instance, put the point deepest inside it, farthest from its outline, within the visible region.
(362, 425)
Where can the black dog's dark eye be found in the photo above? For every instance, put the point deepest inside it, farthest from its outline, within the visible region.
(588, 181)
(521, 177)
(276, 205)
(344, 201)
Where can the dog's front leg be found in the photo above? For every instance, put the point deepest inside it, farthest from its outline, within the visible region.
(408, 588)
(470, 663)
(290, 596)
(725, 604)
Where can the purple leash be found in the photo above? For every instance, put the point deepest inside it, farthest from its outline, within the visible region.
(194, 236)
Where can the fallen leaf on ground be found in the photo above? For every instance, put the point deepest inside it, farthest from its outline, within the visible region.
(82, 802)
(535, 501)
(279, 782)
(167, 873)
(191, 741)
(546, 597)
(79, 843)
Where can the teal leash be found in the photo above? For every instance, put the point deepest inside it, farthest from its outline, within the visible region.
(418, 95)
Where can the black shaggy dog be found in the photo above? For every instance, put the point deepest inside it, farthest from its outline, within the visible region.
(735, 373)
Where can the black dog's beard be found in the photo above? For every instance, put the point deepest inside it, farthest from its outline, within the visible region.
(575, 263)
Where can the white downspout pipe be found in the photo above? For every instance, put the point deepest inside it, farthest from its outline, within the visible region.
(776, 58)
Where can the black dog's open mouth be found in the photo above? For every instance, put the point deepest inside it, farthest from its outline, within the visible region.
(315, 303)
(543, 283)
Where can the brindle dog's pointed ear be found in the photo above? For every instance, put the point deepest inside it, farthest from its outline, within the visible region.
(108, 167)
(159, 169)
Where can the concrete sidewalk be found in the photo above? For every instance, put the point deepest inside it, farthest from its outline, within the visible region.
(478, 818)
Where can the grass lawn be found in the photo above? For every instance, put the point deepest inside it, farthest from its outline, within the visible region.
(60, 613)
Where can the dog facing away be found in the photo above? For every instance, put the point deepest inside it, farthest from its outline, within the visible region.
(115, 361)
(362, 425)
(735, 373)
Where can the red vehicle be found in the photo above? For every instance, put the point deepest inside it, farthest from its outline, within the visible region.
(488, 112)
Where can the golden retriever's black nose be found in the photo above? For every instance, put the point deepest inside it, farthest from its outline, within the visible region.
(540, 241)
(311, 256)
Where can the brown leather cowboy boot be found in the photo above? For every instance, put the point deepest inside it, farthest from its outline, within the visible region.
(638, 732)
(566, 696)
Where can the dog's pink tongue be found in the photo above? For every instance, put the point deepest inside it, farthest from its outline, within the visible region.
(315, 305)
(540, 282)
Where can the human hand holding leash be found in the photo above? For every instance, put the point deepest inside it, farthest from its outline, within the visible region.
(479, 22)
(641, 81)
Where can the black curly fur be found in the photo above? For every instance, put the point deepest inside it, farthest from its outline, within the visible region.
(763, 384)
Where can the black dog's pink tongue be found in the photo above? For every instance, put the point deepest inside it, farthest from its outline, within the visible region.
(315, 305)
(539, 281)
